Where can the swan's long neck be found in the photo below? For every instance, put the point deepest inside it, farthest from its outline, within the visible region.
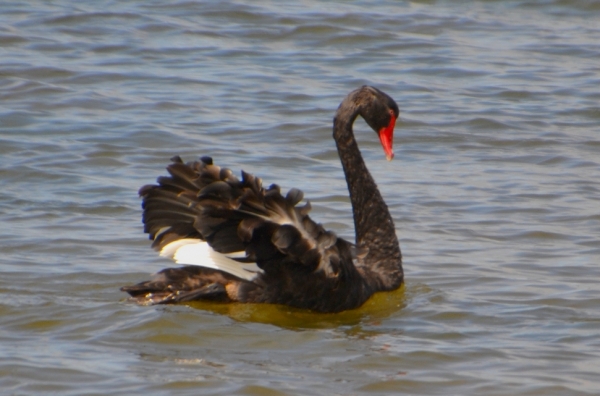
(373, 223)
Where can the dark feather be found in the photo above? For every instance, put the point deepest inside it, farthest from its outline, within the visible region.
(174, 285)
(203, 201)
(299, 262)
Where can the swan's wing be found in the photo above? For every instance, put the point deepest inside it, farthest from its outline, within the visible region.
(203, 215)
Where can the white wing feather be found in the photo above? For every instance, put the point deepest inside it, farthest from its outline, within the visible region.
(191, 251)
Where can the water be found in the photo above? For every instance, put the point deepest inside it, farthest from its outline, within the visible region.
(495, 192)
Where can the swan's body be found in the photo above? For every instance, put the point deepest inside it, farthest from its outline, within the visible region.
(242, 242)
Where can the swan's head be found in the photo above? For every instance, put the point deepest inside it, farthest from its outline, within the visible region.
(381, 112)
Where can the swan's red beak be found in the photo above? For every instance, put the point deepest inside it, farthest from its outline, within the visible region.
(386, 136)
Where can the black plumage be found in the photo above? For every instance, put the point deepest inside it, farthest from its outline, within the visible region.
(298, 262)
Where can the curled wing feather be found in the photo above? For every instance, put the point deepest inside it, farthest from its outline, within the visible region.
(199, 200)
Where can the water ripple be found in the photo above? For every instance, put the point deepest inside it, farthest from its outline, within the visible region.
(494, 192)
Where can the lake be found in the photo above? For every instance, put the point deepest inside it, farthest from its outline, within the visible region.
(494, 190)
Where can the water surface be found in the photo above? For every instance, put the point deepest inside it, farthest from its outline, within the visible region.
(494, 190)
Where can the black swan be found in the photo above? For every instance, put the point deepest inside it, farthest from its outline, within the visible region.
(241, 242)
